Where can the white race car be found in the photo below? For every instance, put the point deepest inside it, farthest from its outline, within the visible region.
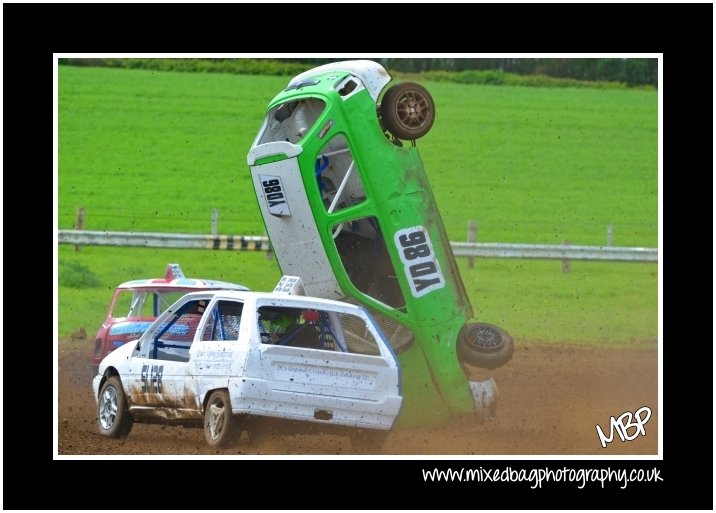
(215, 356)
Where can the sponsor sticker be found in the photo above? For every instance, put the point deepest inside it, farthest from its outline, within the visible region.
(326, 128)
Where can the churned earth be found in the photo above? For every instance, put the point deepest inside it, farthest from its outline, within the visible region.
(552, 397)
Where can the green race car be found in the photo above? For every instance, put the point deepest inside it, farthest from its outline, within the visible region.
(348, 208)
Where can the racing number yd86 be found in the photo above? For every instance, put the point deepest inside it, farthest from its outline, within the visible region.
(275, 197)
(272, 189)
(414, 245)
(421, 268)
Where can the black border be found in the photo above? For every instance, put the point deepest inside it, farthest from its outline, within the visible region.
(33, 32)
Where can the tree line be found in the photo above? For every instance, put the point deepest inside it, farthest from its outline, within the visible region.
(630, 71)
(537, 72)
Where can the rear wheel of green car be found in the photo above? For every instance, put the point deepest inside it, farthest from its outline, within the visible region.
(484, 345)
(407, 111)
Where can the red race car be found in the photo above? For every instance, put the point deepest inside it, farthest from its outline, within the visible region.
(137, 303)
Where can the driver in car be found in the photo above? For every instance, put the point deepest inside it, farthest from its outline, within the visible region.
(274, 324)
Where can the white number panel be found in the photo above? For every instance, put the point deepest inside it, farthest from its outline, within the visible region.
(421, 267)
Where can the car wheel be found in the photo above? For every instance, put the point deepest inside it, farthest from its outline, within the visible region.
(484, 345)
(407, 110)
(368, 441)
(219, 423)
(113, 418)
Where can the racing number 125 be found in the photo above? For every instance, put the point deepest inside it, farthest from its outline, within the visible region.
(421, 268)
(151, 378)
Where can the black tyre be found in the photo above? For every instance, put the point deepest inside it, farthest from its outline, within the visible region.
(219, 423)
(407, 110)
(113, 418)
(484, 345)
(368, 441)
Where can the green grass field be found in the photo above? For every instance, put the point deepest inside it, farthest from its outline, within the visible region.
(156, 151)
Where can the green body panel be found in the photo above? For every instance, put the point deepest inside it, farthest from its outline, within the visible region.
(399, 196)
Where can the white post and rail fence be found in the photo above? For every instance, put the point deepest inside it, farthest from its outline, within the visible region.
(470, 249)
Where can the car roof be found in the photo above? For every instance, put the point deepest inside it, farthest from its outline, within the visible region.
(174, 279)
(244, 295)
(180, 284)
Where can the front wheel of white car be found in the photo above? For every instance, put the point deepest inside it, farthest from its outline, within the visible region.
(219, 423)
(113, 418)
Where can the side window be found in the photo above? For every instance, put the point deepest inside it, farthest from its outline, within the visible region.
(355, 335)
(348, 86)
(362, 248)
(276, 323)
(315, 329)
(223, 321)
(337, 176)
(173, 338)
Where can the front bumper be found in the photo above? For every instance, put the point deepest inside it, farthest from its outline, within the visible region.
(95, 386)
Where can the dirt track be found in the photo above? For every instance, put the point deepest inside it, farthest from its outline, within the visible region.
(552, 397)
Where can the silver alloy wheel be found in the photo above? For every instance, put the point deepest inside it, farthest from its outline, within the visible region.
(108, 408)
(217, 420)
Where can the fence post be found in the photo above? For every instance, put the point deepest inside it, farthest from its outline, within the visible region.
(610, 235)
(269, 251)
(471, 237)
(214, 222)
(80, 223)
(566, 264)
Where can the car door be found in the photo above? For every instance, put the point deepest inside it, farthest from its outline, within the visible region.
(157, 374)
(217, 355)
(332, 366)
(289, 219)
